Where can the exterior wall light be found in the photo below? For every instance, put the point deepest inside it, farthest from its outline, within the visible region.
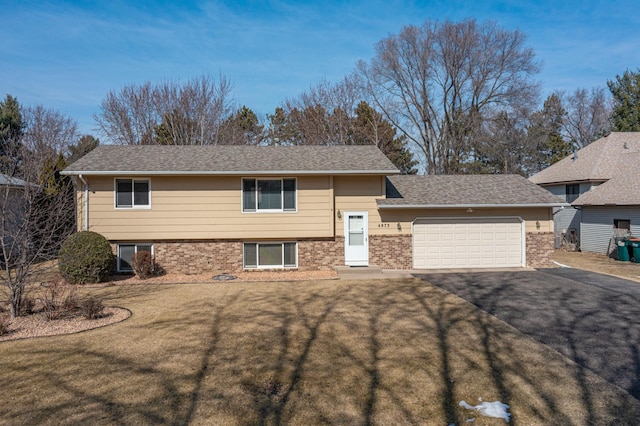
(538, 225)
(339, 215)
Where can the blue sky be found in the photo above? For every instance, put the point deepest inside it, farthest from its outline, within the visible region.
(68, 55)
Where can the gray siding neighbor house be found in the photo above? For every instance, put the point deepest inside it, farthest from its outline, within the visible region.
(602, 183)
(12, 207)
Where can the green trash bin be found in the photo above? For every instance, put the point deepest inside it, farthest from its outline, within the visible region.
(635, 249)
(623, 250)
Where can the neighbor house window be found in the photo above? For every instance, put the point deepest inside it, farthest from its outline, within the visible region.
(126, 252)
(270, 255)
(132, 193)
(573, 192)
(622, 224)
(268, 195)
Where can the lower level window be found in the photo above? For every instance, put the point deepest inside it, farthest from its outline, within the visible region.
(622, 224)
(270, 255)
(126, 252)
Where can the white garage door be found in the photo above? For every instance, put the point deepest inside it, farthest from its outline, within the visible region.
(467, 243)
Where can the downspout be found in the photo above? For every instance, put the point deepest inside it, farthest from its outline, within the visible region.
(86, 203)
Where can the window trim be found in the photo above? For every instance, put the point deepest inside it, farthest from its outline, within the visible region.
(133, 205)
(258, 266)
(135, 250)
(282, 192)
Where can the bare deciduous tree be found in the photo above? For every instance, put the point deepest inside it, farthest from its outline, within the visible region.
(321, 115)
(189, 113)
(35, 208)
(48, 132)
(588, 115)
(439, 82)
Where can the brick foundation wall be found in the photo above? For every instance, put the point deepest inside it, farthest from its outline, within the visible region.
(320, 255)
(194, 257)
(540, 250)
(390, 251)
(215, 256)
(385, 251)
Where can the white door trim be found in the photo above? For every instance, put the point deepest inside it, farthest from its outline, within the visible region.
(358, 254)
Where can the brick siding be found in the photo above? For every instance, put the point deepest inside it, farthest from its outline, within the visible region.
(194, 257)
(385, 251)
(390, 251)
(320, 255)
(540, 249)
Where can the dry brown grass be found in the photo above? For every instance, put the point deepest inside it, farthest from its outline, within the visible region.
(315, 352)
(598, 263)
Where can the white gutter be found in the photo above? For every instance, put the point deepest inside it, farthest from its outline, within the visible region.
(466, 206)
(227, 173)
(86, 202)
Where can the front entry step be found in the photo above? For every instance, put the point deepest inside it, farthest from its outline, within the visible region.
(347, 271)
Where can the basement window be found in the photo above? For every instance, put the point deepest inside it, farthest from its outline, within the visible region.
(126, 252)
(270, 255)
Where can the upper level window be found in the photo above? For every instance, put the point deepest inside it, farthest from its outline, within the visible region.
(268, 195)
(573, 192)
(132, 193)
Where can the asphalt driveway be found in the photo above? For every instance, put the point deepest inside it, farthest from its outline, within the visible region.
(593, 319)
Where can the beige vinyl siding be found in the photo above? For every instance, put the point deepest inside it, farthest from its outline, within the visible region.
(80, 206)
(194, 207)
(359, 193)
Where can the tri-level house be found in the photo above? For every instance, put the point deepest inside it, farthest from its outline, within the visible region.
(232, 208)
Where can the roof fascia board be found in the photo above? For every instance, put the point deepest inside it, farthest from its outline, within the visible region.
(466, 206)
(568, 182)
(230, 173)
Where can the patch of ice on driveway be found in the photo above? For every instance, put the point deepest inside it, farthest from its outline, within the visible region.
(489, 409)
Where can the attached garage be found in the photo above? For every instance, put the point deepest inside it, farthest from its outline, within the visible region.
(491, 242)
(469, 221)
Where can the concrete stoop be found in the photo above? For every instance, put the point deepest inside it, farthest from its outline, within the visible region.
(358, 270)
(368, 272)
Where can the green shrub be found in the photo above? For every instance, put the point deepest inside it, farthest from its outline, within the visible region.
(85, 257)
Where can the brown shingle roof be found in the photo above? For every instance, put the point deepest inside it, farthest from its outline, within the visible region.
(211, 160)
(614, 160)
(465, 191)
(599, 160)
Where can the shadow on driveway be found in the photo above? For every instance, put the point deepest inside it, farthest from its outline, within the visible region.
(593, 319)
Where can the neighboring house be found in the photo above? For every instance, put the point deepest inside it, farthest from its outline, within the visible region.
(229, 208)
(12, 208)
(602, 183)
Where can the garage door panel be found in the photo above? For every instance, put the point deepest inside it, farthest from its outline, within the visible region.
(467, 243)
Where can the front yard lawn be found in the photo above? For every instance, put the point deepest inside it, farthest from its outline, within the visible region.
(315, 352)
(598, 263)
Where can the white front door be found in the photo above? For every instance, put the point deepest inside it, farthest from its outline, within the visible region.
(356, 239)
